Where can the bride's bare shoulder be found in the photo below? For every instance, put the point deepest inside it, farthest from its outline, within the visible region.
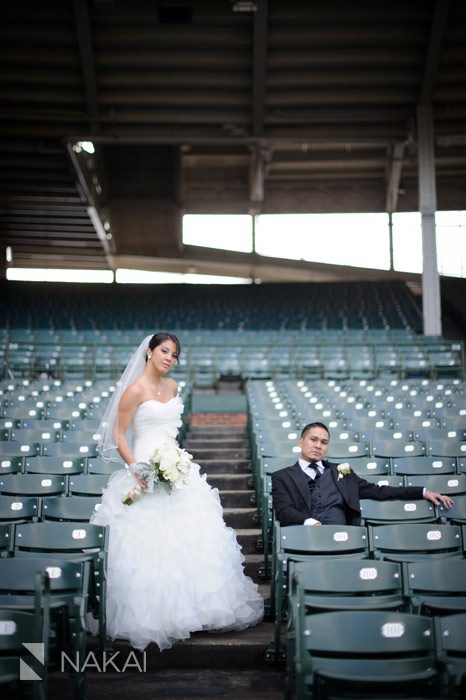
(133, 395)
(173, 386)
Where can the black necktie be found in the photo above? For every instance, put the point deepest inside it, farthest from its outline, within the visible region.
(313, 481)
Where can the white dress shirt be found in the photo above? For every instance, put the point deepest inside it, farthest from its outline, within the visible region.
(311, 473)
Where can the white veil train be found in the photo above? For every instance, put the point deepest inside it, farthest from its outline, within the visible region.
(107, 445)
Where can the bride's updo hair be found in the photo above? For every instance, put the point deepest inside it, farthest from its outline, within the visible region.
(159, 338)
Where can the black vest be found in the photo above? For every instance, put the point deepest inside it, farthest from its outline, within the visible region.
(327, 503)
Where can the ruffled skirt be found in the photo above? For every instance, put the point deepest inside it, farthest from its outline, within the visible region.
(174, 567)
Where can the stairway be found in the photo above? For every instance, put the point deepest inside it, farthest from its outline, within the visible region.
(208, 665)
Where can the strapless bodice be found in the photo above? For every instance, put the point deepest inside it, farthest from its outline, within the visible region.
(155, 422)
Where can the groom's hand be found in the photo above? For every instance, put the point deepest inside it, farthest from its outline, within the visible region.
(437, 498)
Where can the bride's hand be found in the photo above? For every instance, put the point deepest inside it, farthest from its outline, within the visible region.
(141, 481)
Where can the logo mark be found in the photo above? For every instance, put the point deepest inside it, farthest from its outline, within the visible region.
(26, 673)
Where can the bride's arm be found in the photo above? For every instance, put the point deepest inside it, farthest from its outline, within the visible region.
(126, 410)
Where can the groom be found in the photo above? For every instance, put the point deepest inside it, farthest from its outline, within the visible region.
(315, 491)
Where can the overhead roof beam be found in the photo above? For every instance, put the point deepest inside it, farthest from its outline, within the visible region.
(259, 62)
(86, 56)
(431, 65)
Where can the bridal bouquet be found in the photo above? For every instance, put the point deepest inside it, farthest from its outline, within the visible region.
(168, 464)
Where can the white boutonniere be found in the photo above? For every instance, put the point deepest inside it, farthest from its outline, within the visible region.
(343, 470)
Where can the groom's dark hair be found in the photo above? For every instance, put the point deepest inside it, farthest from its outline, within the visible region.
(316, 424)
(160, 337)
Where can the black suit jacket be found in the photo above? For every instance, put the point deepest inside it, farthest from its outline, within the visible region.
(292, 500)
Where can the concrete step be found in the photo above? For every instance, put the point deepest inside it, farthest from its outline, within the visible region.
(207, 650)
(236, 499)
(252, 564)
(201, 453)
(247, 538)
(186, 684)
(241, 518)
(194, 443)
(216, 431)
(230, 482)
(226, 466)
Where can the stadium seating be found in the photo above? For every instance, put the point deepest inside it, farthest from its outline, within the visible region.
(392, 652)
(70, 540)
(434, 586)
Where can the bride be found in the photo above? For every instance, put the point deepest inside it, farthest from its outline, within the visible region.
(174, 567)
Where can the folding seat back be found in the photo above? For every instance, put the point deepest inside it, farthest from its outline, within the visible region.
(68, 598)
(450, 653)
(299, 543)
(73, 508)
(434, 586)
(70, 449)
(11, 465)
(384, 512)
(32, 484)
(19, 508)
(54, 465)
(31, 435)
(397, 448)
(370, 466)
(427, 465)
(375, 651)
(19, 449)
(447, 448)
(413, 541)
(455, 514)
(348, 584)
(87, 484)
(17, 627)
(449, 484)
(70, 540)
(345, 450)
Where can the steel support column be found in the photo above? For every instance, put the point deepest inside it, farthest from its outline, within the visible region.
(427, 206)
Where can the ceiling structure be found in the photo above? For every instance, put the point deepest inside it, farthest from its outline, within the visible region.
(218, 106)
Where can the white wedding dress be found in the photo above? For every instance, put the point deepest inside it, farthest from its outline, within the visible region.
(174, 567)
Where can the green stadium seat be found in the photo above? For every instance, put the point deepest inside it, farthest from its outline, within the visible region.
(455, 514)
(398, 448)
(378, 652)
(424, 465)
(70, 540)
(344, 450)
(413, 541)
(450, 653)
(297, 543)
(32, 484)
(11, 465)
(446, 448)
(17, 627)
(55, 465)
(70, 449)
(19, 508)
(396, 511)
(5, 539)
(435, 586)
(370, 466)
(68, 583)
(40, 435)
(449, 484)
(74, 508)
(18, 449)
(87, 484)
(347, 584)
